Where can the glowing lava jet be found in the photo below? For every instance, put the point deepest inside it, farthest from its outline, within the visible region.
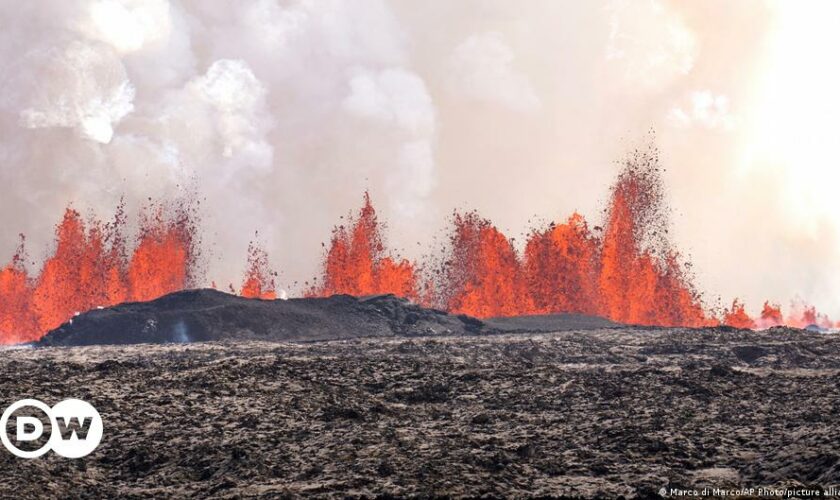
(627, 271)
(91, 267)
(561, 268)
(358, 264)
(483, 275)
(629, 274)
(259, 279)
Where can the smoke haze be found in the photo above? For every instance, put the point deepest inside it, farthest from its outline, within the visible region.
(279, 114)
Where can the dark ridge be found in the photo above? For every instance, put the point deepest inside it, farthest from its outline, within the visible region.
(545, 323)
(211, 315)
(206, 315)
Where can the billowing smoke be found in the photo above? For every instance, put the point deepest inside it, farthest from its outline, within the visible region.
(279, 114)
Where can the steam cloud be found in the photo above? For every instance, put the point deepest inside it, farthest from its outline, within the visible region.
(281, 113)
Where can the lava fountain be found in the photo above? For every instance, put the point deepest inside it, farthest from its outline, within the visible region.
(626, 270)
(91, 267)
(357, 262)
(259, 278)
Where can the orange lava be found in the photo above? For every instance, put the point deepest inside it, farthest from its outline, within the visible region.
(803, 315)
(18, 322)
(163, 260)
(357, 262)
(771, 315)
(626, 271)
(737, 316)
(483, 276)
(89, 268)
(566, 268)
(561, 268)
(259, 279)
(641, 280)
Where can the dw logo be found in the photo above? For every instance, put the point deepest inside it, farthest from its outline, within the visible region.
(75, 428)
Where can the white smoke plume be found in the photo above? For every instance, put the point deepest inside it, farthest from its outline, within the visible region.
(482, 69)
(280, 113)
(271, 110)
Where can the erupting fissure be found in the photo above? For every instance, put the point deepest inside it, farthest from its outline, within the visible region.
(91, 267)
(357, 263)
(626, 271)
(259, 278)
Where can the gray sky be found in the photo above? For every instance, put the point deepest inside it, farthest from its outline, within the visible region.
(283, 113)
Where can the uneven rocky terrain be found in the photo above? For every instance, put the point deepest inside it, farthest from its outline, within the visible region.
(605, 412)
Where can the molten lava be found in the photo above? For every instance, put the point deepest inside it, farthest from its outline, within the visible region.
(641, 280)
(771, 315)
(629, 275)
(18, 322)
(561, 268)
(358, 264)
(628, 271)
(259, 279)
(803, 315)
(89, 268)
(483, 276)
(164, 258)
(737, 316)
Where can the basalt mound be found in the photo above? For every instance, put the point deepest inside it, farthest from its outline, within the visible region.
(211, 315)
(546, 323)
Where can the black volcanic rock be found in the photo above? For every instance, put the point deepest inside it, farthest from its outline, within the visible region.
(749, 353)
(205, 315)
(576, 414)
(545, 323)
(208, 315)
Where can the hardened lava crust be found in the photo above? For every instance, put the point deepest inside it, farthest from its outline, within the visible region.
(209, 315)
(598, 413)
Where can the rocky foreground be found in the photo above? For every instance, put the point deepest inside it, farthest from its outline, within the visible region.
(597, 413)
